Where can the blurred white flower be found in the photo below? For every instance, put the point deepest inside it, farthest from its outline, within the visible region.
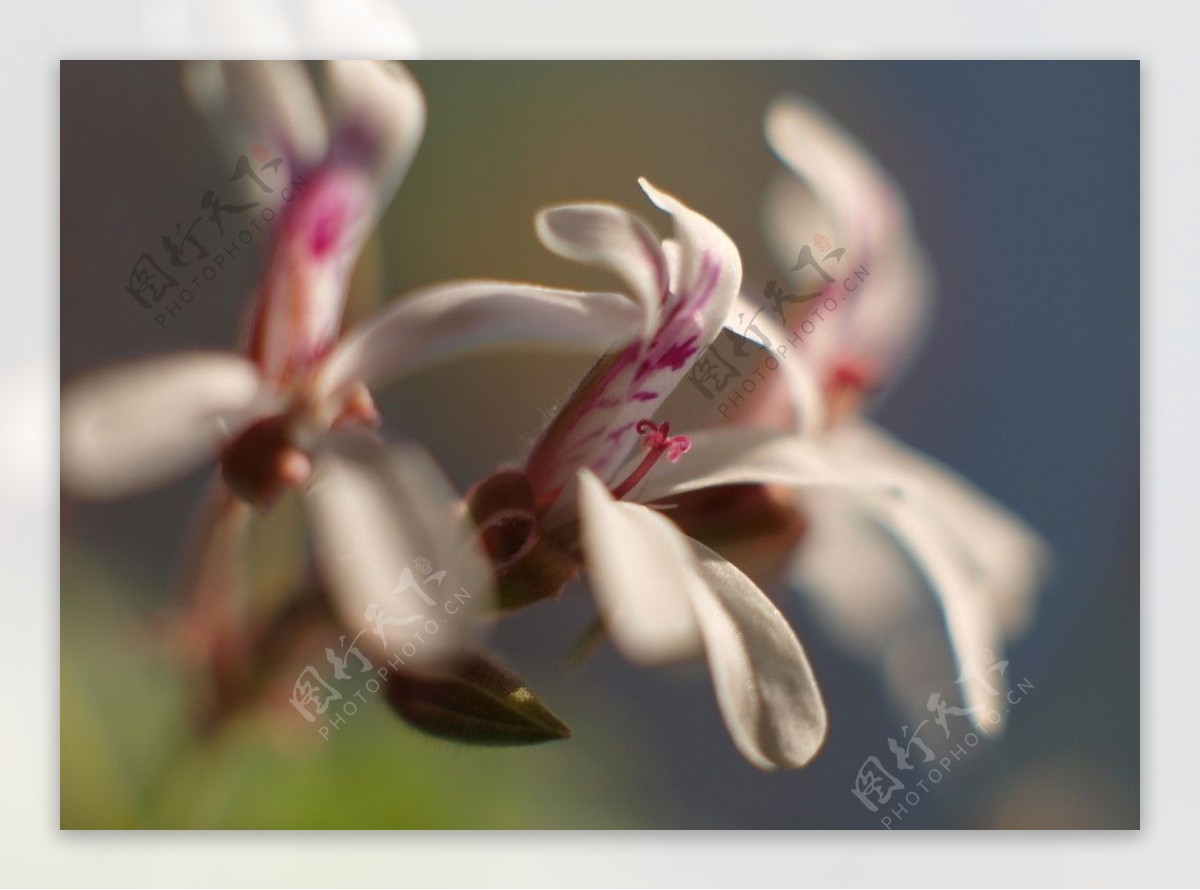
(866, 561)
(297, 405)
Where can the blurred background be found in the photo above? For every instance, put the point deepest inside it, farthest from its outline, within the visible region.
(1023, 183)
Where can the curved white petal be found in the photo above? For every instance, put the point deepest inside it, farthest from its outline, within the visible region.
(268, 103)
(941, 545)
(385, 522)
(660, 593)
(765, 686)
(137, 425)
(865, 205)
(862, 585)
(747, 455)
(377, 119)
(1010, 558)
(970, 622)
(448, 320)
(638, 566)
(613, 239)
(871, 593)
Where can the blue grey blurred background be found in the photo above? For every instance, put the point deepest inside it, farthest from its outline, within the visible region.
(1023, 179)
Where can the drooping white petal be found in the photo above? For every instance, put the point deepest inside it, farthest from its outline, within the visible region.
(137, 425)
(637, 564)
(377, 120)
(940, 545)
(596, 429)
(764, 683)
(745, 456)
(1011, 558)
(862, 585)
(971, 624)
(268, 103)
(864, 204)
(660, 593)
(444, 321)
(872, 600)
(394, 545)
(614, 239)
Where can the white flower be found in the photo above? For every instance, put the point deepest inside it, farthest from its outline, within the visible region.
(868, 561)
(296, 409)
(600, 487)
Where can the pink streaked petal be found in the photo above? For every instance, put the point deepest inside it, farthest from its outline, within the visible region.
(709, 265)
(377, 120)
(449, 320)
(630, 385)
(137, 425)
(318, 237)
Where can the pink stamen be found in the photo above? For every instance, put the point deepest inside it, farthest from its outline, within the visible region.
(658, 441)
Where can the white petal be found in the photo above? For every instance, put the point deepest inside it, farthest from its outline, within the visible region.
(445, 321)
(970, 622)
(268, 103)
(657, 589)
(941, 545)
(614, 239)
(638, 567)
(385, 522)
(710, 267)
(141, 424)
(1010, 557)
(747, 455)
(764, 683)
(865, 205)
(377, 119)
(863, 586)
